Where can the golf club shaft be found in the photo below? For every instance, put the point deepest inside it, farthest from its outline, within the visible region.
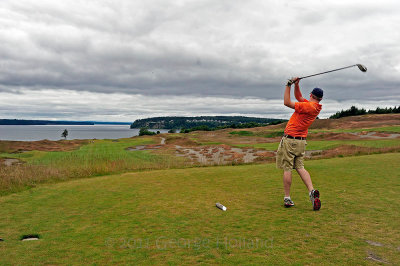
(326, 72)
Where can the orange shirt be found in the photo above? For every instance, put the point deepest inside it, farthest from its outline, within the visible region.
(303, 116)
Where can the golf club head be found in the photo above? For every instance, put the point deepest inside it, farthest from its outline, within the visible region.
(362, 68)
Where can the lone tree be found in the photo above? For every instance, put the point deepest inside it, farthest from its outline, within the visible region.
(64, 134)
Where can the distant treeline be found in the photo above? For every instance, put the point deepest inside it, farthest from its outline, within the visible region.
(210, 122)
(41, 122)
(355, 111)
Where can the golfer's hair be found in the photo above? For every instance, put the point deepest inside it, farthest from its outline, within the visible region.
(316, 98)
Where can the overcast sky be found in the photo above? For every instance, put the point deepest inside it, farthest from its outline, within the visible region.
(122, 60)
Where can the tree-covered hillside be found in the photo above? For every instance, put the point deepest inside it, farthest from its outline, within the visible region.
(175, 122)
(355, 111)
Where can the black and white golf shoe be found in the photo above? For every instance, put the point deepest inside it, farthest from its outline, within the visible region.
(314, 197)
(287, 202)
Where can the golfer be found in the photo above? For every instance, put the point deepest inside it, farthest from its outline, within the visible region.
(291, 150)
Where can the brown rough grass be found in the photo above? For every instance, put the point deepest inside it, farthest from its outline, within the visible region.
(41, 145)
(180, 140)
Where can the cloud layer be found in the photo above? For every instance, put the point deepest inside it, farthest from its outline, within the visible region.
(161, 51)
(73, 105)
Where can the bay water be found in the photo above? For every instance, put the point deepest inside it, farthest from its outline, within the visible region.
(53, 132)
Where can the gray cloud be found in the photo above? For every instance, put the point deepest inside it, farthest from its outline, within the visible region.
(74, 105)
(219, 49)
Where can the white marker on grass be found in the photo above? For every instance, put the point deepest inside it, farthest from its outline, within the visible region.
(220, 206)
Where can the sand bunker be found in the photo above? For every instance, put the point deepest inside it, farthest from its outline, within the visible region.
(222, 154)
(376, 135)
(9, 162)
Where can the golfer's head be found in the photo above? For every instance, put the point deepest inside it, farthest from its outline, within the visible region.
(317, 94)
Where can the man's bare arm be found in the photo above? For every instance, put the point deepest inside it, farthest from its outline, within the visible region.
(297, 92)
(286, 98)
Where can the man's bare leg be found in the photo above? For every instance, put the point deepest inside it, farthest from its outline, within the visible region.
(305, 176)
(314, 194)
(287, 182)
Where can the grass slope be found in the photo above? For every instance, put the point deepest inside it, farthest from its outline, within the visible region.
(330, 144)
(99, 157)
(168, 217)
(388, 129)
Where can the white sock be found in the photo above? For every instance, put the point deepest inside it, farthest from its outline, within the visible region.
(286, 198)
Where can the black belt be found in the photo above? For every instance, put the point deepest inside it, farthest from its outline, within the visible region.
(291, 137)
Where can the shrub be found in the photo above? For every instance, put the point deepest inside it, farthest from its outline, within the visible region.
(144, 131)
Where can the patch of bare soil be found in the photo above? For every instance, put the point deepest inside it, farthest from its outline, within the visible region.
(42, 145)
(383, 135)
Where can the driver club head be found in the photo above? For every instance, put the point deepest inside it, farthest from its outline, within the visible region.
(362, 68)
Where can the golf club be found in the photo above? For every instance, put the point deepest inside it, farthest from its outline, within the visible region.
(361, 67)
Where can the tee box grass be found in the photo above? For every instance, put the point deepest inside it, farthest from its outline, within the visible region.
(169, 217)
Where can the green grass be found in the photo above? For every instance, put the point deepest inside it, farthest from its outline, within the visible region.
(98, 150)
(242, 133)
(96, 153)
(169, 217)
(330, 144)
(274, 134)
(268, 134)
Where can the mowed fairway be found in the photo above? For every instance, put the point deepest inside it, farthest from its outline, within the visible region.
(169, 217)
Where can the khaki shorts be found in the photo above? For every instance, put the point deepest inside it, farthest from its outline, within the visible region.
(290, 154)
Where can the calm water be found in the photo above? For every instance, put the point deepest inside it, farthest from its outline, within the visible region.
(53, 132)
